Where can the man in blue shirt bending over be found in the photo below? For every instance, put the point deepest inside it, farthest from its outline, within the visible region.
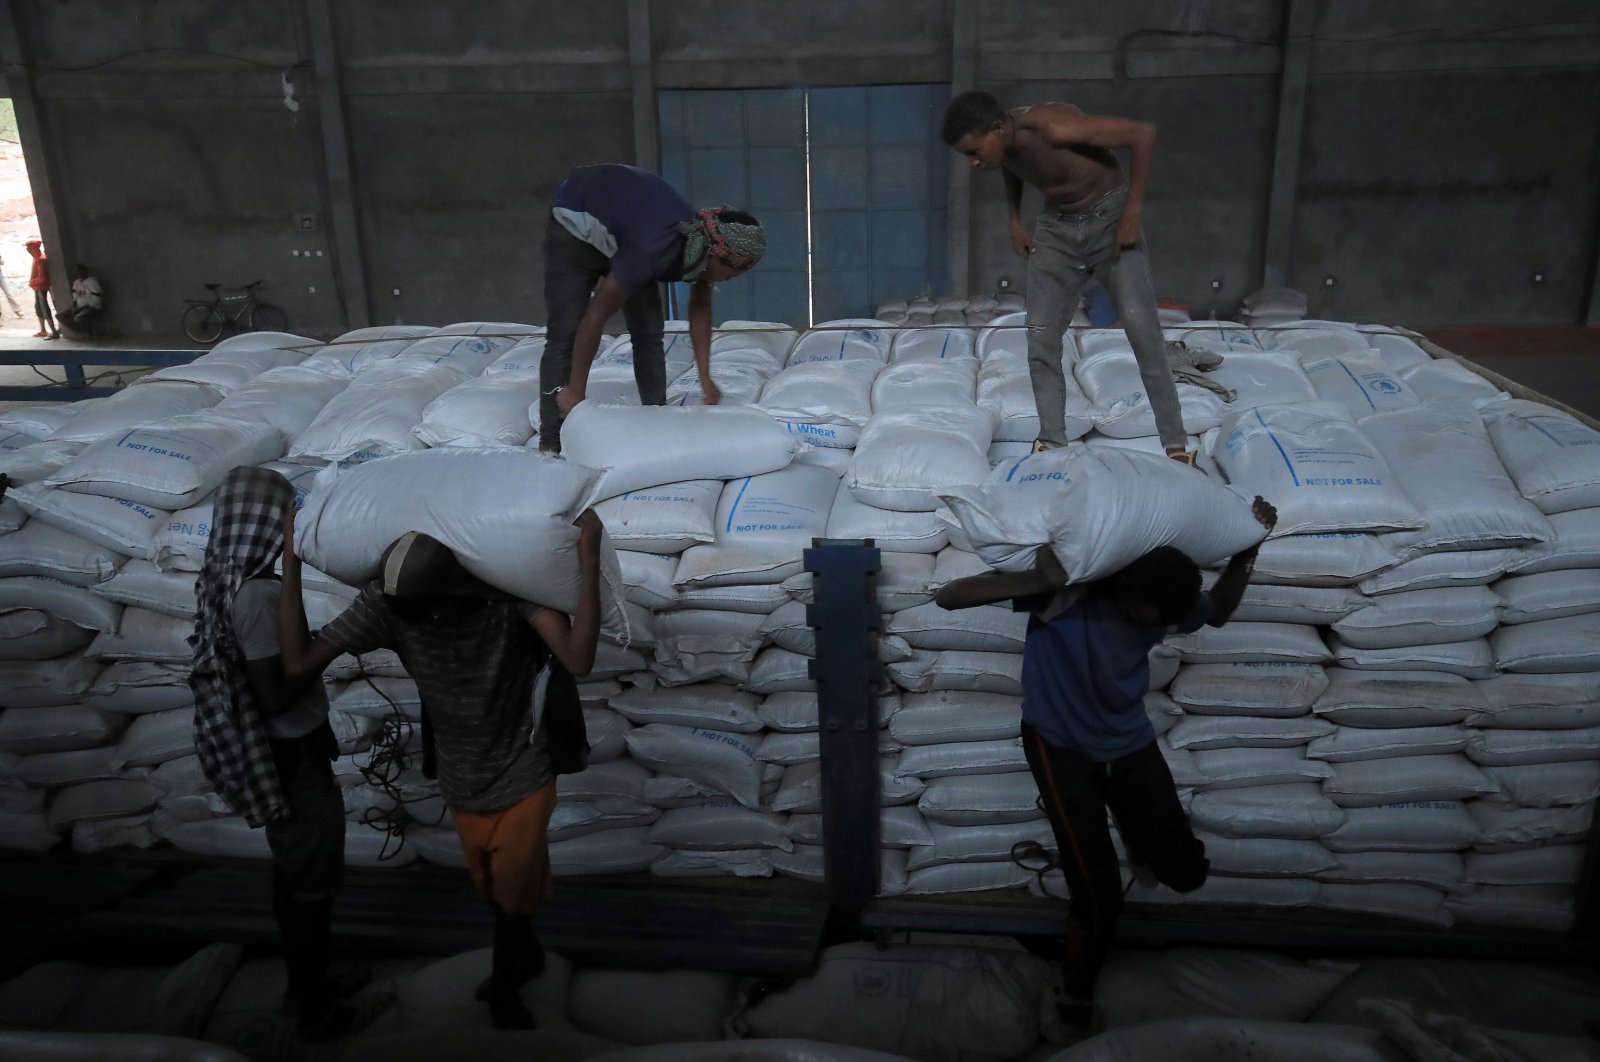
(1085, 673)
(616, 232)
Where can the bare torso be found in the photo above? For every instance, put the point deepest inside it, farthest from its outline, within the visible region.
(1070, 177)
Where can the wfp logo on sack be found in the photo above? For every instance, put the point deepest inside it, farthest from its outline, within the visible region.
(1382, 383)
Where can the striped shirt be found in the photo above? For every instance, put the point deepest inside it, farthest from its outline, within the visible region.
(474, 663)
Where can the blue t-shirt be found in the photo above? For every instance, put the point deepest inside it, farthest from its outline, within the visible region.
(1085, 674)
(631, 216)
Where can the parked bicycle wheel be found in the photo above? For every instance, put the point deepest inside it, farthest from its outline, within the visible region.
(202, 323)
(265, 317)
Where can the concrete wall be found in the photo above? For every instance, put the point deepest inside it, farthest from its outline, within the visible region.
(1441, 158)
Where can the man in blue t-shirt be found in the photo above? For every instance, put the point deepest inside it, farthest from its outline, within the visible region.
(1089, 743)
(615, 233)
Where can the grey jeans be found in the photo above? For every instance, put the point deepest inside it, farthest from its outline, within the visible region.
(1067, 249)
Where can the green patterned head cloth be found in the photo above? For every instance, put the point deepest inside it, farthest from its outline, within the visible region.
(725, 234)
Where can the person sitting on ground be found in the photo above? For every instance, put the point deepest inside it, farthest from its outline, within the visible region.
(39, 281)
(615, 233)
(265, 743)
(1089, 744)
(86, 300)
(1090, 227)
(475, 653)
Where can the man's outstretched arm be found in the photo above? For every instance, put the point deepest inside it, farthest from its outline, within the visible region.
(991, 588)
(1229, 588)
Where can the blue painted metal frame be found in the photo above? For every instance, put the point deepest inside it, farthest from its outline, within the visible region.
(73, 360)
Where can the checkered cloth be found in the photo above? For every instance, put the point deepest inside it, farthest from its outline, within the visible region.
(229, 732)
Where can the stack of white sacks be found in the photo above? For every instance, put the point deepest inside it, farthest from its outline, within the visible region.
(1403, 718)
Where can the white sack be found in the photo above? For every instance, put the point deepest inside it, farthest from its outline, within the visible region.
(116, 523)
(286, 400)
(45, 683)
(1547, 908)
(147, 635)
(1360, 382)
(169, 464)
(1503, 828)
(1414, 826)
(763, 525)
(709, 706)
(904, 460)
(992, 628)
(975, 799)
(1529, 702)
(375, 415)
(904, 580)
(1323, 559)
(1540, 785)
(1469, 659)
(913, 385)
(1548, 595)
(1549, 646)
(1315, 466)
(1260, 379)
(1435, 571)
(1443, 378)
(901, 532)
(1111, 381)
(647, 577)
(507, 514)
(134, 687)
(959, 669)
(132, 406)
(39, 549)
(238, 360)
(1514, 748)
(839, 341)
(26, 731)
(1363, 743)
(823, 403)
(1241, 642)
(142, 584)
(1100, 509)
(1421, 617)
(683, 443)
(936, 718)
(1371, 783)
(1551, 456)
(724, 761)
(71, 603)
(664, 519)
(1249, 689)
(1576, 545)
(1297, 811)
(497, 410)
(1235, 732)
(1441, 457)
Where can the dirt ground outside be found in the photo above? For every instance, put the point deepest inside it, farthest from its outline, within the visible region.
(18, 223)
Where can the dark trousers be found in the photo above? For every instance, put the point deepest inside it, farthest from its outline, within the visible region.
(1077, 792)
(572, 270)
(41, 310)
(308, 861)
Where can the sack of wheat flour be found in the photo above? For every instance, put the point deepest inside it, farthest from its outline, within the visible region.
(169, 464)
(1100, 509)
(1554, 458)
(649, 446)
(1316, 466)
(506, 513)
(1441, 457)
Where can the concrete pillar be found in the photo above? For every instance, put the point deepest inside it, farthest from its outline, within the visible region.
(345, 235)
(646, 145)
(958, 208)
(37, 150)
(1298, 23)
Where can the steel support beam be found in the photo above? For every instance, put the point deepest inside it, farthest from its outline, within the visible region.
(1286, 145)
(646, 143)
(958, 204)
(344, 242)
(844, 616)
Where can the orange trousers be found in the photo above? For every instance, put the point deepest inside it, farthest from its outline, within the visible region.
(508, 851)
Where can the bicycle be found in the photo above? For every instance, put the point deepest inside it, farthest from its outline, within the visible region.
(205, 320)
